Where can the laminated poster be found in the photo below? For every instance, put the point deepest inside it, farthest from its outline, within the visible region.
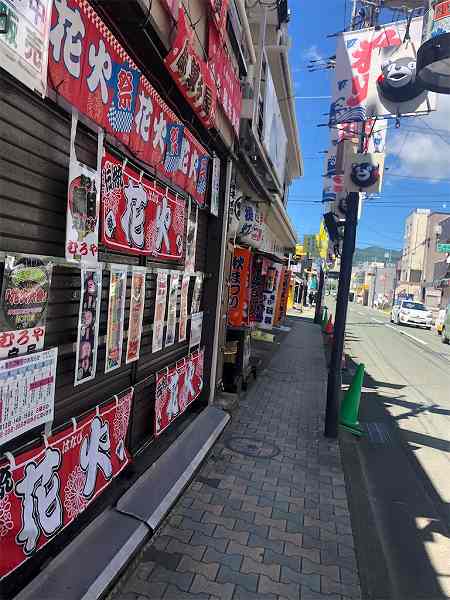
(196, 329)
(136, 314)
(197, 294)
(183, 308)
(88, 322)
(83, 203)
(116, 309)
(191, 238)
(27, 392)
(215, 187)
(52, 484)
(160, 311)
(177, 387)
(24, 46)
(23, 307)
(172, 309)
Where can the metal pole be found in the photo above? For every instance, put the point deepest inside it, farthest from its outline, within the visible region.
(319, 296)
(334, 373)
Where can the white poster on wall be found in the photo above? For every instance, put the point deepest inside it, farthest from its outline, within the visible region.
(160, 311)
(116, 311)
(136, 313)
(172, 309)
(24, 45)
(183, 308)
(191, 237)
(215, 186)
(197, 294)
(274, 133)
(27, 392)
(196, 330)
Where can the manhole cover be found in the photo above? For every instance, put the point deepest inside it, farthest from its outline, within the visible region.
(252, 447)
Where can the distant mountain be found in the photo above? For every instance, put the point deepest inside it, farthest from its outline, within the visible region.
(375, 254)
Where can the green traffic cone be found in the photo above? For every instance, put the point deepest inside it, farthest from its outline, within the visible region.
(350, 404)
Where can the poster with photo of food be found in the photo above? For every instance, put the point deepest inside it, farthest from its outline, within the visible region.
(172, 309)
(183, 308)
(88, 322)
(160, 310)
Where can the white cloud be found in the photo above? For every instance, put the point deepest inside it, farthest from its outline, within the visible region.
(418, 150)
(313, 53)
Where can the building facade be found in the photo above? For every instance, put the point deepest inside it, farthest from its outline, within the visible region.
(128, 162)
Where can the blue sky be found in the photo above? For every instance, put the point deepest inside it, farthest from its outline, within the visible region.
(420, 148)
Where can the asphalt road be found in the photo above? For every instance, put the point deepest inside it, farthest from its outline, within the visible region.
(404, 459)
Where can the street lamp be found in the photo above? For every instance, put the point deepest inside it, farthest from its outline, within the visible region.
(433, 56)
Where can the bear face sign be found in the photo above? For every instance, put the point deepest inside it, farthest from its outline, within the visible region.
(365, 174)
(398, 82)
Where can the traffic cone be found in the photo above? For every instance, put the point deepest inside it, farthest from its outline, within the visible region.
(325, 320)
(329, 326)
(348, 417)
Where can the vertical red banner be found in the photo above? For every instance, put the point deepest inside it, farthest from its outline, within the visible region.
(239, 294)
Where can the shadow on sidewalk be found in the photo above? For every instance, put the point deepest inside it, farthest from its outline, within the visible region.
(400, 522)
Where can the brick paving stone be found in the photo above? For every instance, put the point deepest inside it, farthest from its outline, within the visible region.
(307, 594)
(291, 591)
(205, 528)
(243, 594)
(198, 539)
(256, 553)
(258, 541)
(181, 580)
(205, 506)
(190, 513)
(247, 581)
(211, 518)
(146, 589)
(200, 585)
(300, 551)
(247, 515)
(233, 561)
(245, 526)
(189, 565)
(332, 558)
(175, 546)
(260, 568)
(329, 586)
(329, 571)
(312, 581)
(278, 534)
(283, 560)
(183, 535)
(174, 593)
(278, 523)
(228, 534)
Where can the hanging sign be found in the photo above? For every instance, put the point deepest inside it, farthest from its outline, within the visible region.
(116, 310)
(176, 388)
(160, 311)
(172, 309)
(138, 215)
(376, 74)
(196, 329)
(257, 292)
(251, 224)
(23, 307)
(191, 73)
(239, 292)
(271, 284)
(191, 238)
(432, 57)
(88, 323)
(183, 308)
(27, 393)
(136, 313)
(90, 69)
(215, 186)
(229, 93)
(24, 45)
(83, 203)
(365, 173)
(197, 294)
(47, 488)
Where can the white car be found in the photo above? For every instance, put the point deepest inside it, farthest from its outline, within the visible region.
(408, 312)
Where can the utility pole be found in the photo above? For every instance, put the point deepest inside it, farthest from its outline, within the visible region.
(351, 220)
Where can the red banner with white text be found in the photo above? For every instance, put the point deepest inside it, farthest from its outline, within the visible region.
(229, 93)
(92, 71)
(191, 73)
(48, 487)
(138, 215)
(176, 388)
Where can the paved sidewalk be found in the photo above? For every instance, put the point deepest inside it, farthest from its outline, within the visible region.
(266, 517)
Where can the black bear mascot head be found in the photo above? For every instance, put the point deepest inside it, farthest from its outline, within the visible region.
(398, 81)
(364, 175)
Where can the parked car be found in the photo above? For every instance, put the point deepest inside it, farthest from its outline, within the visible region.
(439, 323)
(446, 326)
(408, 312)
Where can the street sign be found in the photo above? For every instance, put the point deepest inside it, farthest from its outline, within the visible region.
(443, 248)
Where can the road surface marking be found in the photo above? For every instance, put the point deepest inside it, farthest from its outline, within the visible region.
(360, 313)
(413, 337)
(376, 320)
